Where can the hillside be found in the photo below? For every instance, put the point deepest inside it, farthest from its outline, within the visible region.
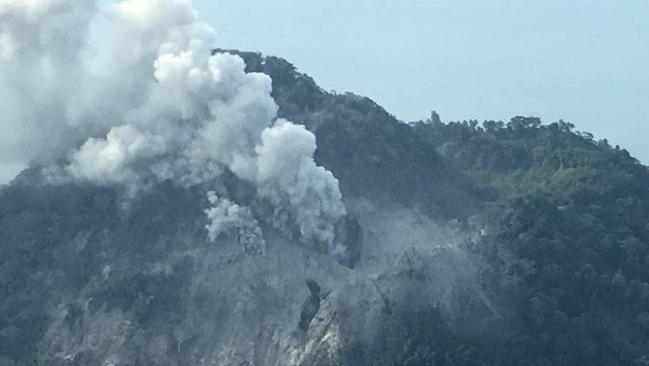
(477, 244)
(90, 275)
(581, 237)
(365, 146)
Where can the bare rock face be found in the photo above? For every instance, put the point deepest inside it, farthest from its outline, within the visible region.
(180, 299)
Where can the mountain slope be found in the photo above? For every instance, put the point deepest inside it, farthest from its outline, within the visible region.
(91, 276)
(499, 244)
(372, 153)
(580, 241)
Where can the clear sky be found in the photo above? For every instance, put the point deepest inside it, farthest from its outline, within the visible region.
(586, 61)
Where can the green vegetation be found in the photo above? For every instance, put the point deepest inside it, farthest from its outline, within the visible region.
(577, 248)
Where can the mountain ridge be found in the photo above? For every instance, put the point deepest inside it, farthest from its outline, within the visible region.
(481, 245)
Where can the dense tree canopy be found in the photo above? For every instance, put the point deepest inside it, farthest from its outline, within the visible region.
(581, 240)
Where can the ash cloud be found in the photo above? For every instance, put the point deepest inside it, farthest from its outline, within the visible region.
(160, 107)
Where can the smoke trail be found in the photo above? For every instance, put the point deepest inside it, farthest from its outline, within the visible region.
(226, 217)
(162, 107)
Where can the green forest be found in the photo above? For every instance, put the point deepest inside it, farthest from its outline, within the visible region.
(579, 237)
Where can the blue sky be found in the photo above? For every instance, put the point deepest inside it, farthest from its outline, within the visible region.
(584, 61)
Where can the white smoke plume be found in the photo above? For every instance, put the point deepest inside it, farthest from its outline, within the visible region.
(40, 68)
(226, 217)
(287, 173)
(161, 107)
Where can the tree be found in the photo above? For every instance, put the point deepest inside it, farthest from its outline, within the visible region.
(434, 118)
(519, 122)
